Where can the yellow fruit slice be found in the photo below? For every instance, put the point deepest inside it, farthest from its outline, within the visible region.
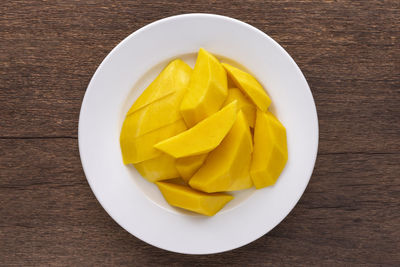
(189, 165)
(177, 72)
(270, 150)
(207, 89)
(160, 113)
(157, 169)
(186, 198)
(250, 86)
(138, 149)
(245, 104)
(227, 167)
(203, 137)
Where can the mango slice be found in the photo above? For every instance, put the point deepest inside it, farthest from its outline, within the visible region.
(137, 149)
(245, 104)
(157, 169)
(270, 150)
(207, 89)
(227, 167)
(187, 127)
(250, 86)
(189, 165)
(167, 82)
(186, 198)
(203, 137)
(158, 114)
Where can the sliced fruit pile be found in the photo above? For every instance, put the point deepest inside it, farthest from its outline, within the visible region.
(187, 124)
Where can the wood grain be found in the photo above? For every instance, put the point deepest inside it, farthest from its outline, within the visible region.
(349, 214)
(349, 52)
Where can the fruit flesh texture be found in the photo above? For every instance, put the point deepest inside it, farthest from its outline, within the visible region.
(270, 150)
(249, 86)
(227, 167)
(172, 82)
(165, 84)
(158, 168)
(157, 114)
(190, 199)
(187, 166)
(207, 89)
(138, 149)
(245, 104)
(203, 137)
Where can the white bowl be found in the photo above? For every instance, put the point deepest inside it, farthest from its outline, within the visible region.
(136, 204)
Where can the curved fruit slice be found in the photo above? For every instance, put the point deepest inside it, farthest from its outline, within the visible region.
(227, 167)
(203, 137)
(177, 72)
(189, 165)
(158, 114)
(245, 104)
(186, 198)
(207, 89)
(137, 149)
(249, 85)
(270, 150)
(157, 169)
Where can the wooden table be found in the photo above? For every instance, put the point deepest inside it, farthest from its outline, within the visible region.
(349, 52)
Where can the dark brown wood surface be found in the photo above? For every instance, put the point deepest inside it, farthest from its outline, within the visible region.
(349, 52)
